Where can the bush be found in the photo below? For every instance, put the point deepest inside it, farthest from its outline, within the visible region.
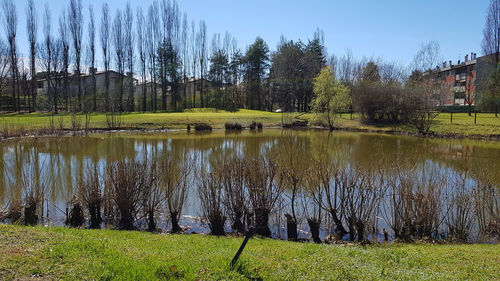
(233, 126)
(211, 196)
(255, 125)
(202, 127)
(394, 103)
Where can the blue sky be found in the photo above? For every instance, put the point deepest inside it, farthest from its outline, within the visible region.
(390, 29)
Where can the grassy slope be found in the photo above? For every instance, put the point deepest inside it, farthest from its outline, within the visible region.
(463, 124)
(70, 254)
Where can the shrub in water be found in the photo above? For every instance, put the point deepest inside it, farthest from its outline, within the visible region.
(233, 126)
(202, 127)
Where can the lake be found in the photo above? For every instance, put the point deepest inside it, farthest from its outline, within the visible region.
(57, 162)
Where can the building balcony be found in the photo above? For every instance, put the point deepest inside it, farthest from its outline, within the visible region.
(458, 89)
(460, 77)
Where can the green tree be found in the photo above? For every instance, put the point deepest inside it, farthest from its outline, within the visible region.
(330, 96)
(219, 66)
(256, 65)
(313, 61)
(371, 73)
(287, 74)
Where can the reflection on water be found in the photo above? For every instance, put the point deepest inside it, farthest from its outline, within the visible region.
(56, 162)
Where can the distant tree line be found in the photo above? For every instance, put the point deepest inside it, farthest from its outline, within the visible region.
(163, 50)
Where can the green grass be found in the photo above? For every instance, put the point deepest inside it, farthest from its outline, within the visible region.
(74, 254)
(173, 120)
(463, 125)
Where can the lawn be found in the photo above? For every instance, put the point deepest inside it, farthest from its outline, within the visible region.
(76, 254)
(462, 125)
(173, 120)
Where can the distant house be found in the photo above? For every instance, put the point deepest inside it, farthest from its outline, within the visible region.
(193, 86)
(150, 87)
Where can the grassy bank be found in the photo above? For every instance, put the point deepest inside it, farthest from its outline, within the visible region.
(71, 254)
(462, 125)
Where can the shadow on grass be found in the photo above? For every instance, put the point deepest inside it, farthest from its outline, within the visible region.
(250, 274)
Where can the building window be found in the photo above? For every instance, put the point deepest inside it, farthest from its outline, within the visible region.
(459, 95)
(40, 85)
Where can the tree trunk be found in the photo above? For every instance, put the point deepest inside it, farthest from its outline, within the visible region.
(291, 228)
(174, 217)
(314, 225)
(339, 228)
(151, 221)
(262, 222)
(95, 215)
(360, 228)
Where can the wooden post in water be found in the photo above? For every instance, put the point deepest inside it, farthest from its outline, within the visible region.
(249, 235)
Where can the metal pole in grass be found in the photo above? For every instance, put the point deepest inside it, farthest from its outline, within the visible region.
(248, 235)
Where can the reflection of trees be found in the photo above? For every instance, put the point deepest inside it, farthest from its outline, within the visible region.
(63, 159)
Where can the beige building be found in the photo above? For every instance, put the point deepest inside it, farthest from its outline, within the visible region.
(193, 87)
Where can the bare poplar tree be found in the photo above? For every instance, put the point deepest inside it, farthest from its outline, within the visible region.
(64, 38)
(31, 29)
(141, 48)
(10, 25)
(185, 56)
(105, 45)
(75, 26)
(491, 31)
(118, 44)
(194, 58)
(4, 64)
(47, 56)
(153, 38)
(202, 55)
(91, 46)
(129, 46)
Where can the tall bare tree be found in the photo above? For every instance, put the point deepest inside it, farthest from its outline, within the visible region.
(129, 46)
(47, 55)
(491, 46)
(185, 56)
(153, 38)
(75, 26)
(10, 25)
(91, 49)
(118, 44)
(491, 31)
(105, 45)
(31, 30)
(4, 66)
(427, 57)
(141, 48)
(64, 39)
(202, 55)
(194, 58)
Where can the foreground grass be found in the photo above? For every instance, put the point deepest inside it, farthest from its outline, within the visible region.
(462, 125)
(72, 254)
